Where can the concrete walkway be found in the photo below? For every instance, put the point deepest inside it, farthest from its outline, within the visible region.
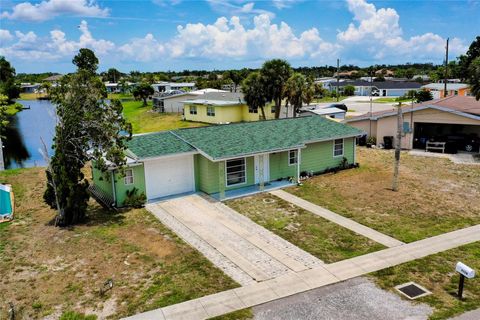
(293, 283)
(338, 219)
(243, 249)
(458, 158)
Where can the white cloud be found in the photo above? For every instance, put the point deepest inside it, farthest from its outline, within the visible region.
(49, 9)
(230, 38)
(29, 46)
(5, 35)
(379, 35)
(229, 9)
(143, 49)
(282, 4)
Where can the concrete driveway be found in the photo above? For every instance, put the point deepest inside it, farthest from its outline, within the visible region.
(244, 250)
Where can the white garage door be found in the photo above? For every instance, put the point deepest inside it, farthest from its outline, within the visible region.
(169, 176)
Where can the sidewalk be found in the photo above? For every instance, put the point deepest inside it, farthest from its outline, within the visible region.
(293, 283)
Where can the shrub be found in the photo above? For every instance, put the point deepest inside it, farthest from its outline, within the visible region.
(372, 140)
(134, 199)
(72, 315)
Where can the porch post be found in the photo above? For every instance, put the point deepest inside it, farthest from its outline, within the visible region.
(261, 174)
(299, 157)
(221, 179)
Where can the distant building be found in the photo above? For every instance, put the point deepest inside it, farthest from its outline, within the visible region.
(378, 88)
(169, 86)
(172, 101)
(325, 81)
(53, 79)
(29, 88)
(453, 89)
(385, 73)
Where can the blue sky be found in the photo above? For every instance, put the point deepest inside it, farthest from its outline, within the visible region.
(155, 35)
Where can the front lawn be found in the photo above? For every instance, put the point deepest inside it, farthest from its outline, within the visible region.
(324, 239)
(46, 271)
(437, 274)
(392, 100)
(143, 119)
(329, 99)
(31, 96)
(435, 196)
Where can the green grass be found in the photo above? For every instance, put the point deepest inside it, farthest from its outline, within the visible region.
(436, 273)
(435, 195)
(329, 99)
(31, 96)
(14, 108)
(324, 239)
(391, 100)
(236, 315)
(143, 119)
(120, 96)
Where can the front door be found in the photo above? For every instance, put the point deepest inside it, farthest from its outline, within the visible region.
(262, 173)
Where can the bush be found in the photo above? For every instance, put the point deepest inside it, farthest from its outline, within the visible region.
(134, 199)
(372, 140)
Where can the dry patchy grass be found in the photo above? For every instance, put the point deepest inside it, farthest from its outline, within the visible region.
(435, 196)
(322, 238)
(47, 270)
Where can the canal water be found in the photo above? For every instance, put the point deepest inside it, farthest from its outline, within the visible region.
(22, 143)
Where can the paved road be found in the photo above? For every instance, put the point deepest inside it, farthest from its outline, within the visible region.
(358, 299)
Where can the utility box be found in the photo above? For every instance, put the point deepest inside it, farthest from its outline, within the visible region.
(6, 202)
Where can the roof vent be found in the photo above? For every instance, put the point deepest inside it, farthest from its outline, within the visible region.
(411, 290)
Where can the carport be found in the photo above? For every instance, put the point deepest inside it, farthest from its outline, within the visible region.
(459, 137)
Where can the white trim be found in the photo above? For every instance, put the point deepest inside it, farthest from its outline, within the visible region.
(298, 166)
(288, 157)
(125, 178)
(245, 172)
(171, 155)
(343, 148)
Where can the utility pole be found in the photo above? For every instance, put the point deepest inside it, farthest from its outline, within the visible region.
(445, 92)
(398, 147)
(370, 121)
(338, 80)
(2, 163)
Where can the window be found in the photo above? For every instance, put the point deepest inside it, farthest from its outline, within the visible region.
(193, 109)
(211, 111)
(272, 110)
(292, 157)
(128, 177)
(235, 170)
(456, 92)
(338, 148)
(252, 110)
(406, 127)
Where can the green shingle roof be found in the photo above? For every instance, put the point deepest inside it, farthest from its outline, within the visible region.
(157, 144)
(239, 139)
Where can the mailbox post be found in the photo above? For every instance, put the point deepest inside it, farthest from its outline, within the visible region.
(465, 272)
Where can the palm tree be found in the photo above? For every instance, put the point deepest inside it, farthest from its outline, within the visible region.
(297, 91)
(474, 77)
(275, 74)
(254, 92)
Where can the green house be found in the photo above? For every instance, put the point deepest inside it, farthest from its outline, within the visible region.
(229, 160)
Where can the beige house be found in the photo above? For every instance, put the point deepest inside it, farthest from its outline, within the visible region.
(436, 120)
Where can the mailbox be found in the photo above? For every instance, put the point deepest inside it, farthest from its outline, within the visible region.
(465, 270)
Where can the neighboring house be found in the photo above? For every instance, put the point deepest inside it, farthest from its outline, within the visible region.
(345, 74)
(219, 160)
(432, 120)
(29, 88)
(453, 89)
(112, 87)
(385, 73)
(223, 107)
(331, 112)
(325, 81)
(173, 101)
(169, 86)
(378, 88)
(53, 79)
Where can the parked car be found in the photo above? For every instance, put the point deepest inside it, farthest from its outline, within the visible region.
(464, 142)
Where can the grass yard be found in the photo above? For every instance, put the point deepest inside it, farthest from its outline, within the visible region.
(435, 196)
(120, 96)
(328, 99)
(31, 96)
(322, 238)
(143, 119)
(436, 273)
(47, 271)
(392, 100)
